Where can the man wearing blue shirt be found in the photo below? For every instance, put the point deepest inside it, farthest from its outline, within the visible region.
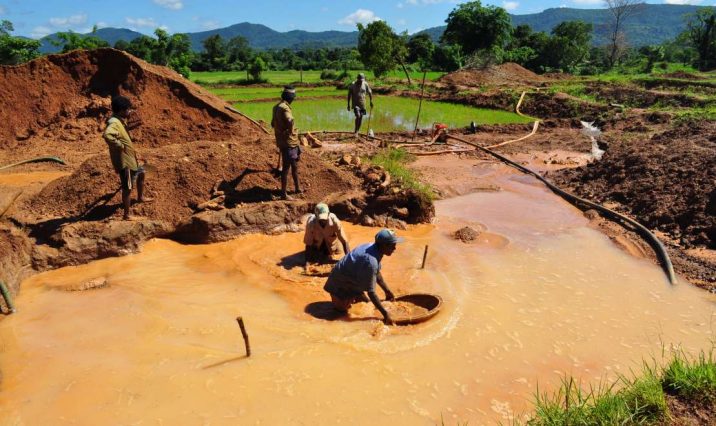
(358, 272)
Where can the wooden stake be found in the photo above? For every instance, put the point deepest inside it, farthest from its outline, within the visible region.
(425, 256)
(240, 320)
(420, 105)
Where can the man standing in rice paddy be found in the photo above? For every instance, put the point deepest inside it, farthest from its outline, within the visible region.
(286, 139)
(356, 93)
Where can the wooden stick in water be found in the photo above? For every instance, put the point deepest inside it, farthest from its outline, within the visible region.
(240, 320)
(425, 256)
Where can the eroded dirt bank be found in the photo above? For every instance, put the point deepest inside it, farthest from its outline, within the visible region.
(209, 169)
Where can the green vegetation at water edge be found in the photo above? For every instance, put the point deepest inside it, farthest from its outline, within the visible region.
(390, 113)
(641, 400)
(235, 94)
(294, 76)
(395, 161)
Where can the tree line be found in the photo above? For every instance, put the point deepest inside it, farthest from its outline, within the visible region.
(475, 36)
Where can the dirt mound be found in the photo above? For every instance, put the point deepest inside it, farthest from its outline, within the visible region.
(508, 73)
(683, 75)
(58, 105)
(185, 176)
(666, 182)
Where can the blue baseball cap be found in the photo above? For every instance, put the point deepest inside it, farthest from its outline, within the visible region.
(387, 236)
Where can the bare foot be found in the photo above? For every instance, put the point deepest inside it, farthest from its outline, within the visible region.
(145, 200)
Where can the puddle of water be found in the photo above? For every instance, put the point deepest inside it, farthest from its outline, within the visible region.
(160, 344)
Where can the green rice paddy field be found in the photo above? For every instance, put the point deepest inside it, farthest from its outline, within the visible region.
(390, 113)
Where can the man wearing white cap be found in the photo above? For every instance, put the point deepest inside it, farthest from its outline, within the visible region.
(356, 93)
(323, 231)
(358, 272)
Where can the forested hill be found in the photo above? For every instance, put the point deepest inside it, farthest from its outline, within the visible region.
(654, 24)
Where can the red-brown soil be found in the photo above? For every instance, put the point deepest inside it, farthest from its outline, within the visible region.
(183, 176)
(506, 74)
(667, 182)
(58, 104)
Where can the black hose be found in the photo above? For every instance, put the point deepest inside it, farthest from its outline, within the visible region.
(654, 242)
(35, 160)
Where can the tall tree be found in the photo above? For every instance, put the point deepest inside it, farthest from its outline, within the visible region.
(474, 27)
(15, 50)
(620, 11)
(379, 47)
(70, 40)
(214, 54)
(420, 50)
(702, 35)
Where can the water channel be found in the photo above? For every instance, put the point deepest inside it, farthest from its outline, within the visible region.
(537, 296)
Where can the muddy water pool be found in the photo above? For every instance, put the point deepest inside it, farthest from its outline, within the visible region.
(536, 296)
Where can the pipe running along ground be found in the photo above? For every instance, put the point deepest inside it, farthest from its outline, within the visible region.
(654, 242)
(35, 160)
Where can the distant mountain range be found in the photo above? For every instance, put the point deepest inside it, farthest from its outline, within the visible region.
(654, 24)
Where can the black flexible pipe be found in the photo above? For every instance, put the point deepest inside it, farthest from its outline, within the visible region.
(35, 160)
(654, 242)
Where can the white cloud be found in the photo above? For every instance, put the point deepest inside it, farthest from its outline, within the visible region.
(360, 16)
(170, 4)
(601, 2)
(78, 19)
(143, 22)
(682, 1)
(510, 5)
(210, 24)
(39, 32)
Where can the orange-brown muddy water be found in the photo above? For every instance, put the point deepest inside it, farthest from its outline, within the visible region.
(539, 295)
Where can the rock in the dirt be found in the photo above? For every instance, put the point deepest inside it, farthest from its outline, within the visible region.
(466, 234)
(401, 213)
(591, 214)
(356, 161)
(367, 221)
(345, 159)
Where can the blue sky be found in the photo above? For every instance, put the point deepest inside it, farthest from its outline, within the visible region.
(37, 18)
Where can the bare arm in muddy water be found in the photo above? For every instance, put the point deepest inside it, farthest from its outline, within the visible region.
(376, 301)
(381, 282)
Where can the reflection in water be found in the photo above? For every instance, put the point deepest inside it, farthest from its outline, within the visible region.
(158, 344)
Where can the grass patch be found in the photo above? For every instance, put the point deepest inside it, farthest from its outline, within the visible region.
(294, 76)
(390, 113)
(236, 94)
(691, 379)
(637, 401)
(395, 161)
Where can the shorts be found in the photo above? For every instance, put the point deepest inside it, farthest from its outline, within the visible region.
(290, 154)
(359, 111)
(128, 177)
(343, 305)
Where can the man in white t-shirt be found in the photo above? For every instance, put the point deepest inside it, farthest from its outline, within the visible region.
(323, 231)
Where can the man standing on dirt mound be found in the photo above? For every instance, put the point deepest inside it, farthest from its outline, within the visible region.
(122, 153)
(356, 93)
(286, 140)
(358, 272)
(323, 231)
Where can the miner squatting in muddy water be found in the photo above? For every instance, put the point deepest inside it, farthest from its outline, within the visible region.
(323, 232)
(122, 152)
(286, 139)
(358, 272)
(356, 93)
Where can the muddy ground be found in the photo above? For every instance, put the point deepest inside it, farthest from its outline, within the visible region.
(211, 168)
(210, 171)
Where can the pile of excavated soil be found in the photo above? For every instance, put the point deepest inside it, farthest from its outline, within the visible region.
(508, 73)
(667, 182)
(183, 176)
(58, 105)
